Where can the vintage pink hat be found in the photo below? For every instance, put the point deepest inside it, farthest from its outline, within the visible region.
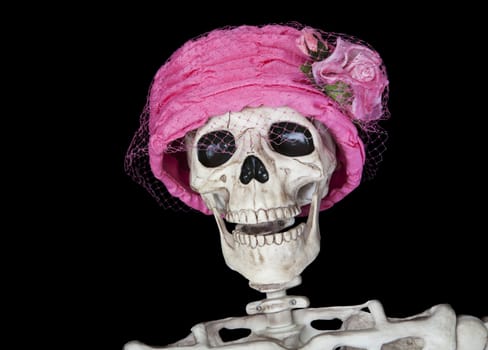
(336, 79)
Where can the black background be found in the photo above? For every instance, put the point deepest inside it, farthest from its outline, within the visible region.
(120, 268)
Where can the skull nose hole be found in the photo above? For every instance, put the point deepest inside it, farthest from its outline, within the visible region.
(253, 168)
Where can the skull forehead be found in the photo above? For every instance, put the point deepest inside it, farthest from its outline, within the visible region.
(259, 119)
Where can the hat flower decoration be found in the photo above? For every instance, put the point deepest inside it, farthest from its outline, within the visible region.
(349, 73)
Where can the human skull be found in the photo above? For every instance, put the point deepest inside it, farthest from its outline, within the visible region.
(256, 169)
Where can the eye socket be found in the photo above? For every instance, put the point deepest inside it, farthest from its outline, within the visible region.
(291, 139)
(216, 148)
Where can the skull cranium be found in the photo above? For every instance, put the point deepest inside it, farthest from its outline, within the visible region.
(257, 168)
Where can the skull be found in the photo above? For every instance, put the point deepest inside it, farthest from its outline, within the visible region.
(256, 169)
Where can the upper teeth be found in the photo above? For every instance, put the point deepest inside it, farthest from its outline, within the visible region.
(249, 216)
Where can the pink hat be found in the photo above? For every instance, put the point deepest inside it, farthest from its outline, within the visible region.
(333, 78)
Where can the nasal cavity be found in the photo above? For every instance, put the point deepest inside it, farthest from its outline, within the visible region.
(253, 168)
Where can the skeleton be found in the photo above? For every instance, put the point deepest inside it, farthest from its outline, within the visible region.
(258, 169)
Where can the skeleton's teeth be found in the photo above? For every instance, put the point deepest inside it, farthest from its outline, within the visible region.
(242, 216)
(294, 234)
(287, 236)
(252, 216)
(272, 214)
(269, 239)
(287, 213)
(253, 241)
(246, 239)
(260, 240)
(261, 216)
(241, 238)
(296, 211)
(278, 238)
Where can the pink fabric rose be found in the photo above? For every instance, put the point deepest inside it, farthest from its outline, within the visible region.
(308, 41)
(359, 67)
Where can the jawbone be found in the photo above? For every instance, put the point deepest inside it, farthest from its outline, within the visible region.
(266, 254)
